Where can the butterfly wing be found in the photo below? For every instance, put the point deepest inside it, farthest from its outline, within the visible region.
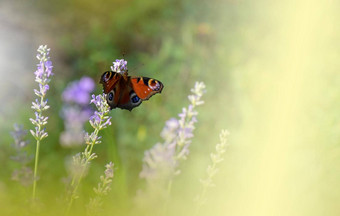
(127, 93)
(118, 90)
(146, 87)
(111, 82)
(128, 98)
(109, 79)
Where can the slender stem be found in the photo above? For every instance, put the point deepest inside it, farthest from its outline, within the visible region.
(75, 188)
(38, 144)
(201, 197)
(167, 198)
(35, 169)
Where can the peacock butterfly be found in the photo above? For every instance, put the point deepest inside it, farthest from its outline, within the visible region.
(128, 92)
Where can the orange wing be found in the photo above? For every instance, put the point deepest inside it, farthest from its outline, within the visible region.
(126, 92)
(146, 87)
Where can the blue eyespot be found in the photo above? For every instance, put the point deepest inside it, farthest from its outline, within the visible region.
(135, 99)
(110, 96)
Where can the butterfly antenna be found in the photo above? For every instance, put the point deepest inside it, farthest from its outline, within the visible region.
(123, 53)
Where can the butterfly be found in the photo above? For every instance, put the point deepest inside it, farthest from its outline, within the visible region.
(128, 92)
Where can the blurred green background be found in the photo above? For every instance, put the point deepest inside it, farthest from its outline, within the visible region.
(271, 72)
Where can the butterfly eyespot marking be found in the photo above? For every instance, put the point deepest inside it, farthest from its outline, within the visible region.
(154, 84)
(106, 76)
(110, 96)
(134, 98)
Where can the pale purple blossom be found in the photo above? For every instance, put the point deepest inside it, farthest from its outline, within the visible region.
(42, 77)
(43, 74)
(119, 66)
(74, 118)
(76, 111)
(99, 120)
(160, 163)
(109, 170)
(104, 186)
(79, 91)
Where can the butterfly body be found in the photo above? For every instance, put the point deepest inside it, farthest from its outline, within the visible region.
(128, 92)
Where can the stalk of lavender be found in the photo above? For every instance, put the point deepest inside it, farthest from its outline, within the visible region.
(212, 169)
(42, 77)
(177, 135)
(99, 120)
(162, 160)
(104, 186)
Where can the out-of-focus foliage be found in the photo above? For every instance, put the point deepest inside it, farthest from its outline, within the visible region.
(172, 41)
(271, 74)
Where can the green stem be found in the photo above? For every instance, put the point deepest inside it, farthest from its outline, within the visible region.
(75, 188)
(201, 197)
(167, 198)
(35, 169)
(38, 145)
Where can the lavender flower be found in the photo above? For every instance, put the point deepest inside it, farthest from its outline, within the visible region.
(24, 174)
(99, 120)
(104, 186)
(119, 66)
(76, 111)
(74, 120)
(162, 160)
(43, 73)
(79, 91)
(177, 135)
(216, 158)
(42, 77)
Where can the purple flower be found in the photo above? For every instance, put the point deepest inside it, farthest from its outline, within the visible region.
(74, 119)
(44, 68)
(96, 100)
(79, 91)
(42, 77)
(119, 66)
(40, 70)
(109, 170)
(162, 160)
(169, 132)
(43, 73)
(99, 120)
(87, 84)
(76, 111)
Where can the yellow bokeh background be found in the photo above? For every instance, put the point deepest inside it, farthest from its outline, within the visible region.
(285, 156)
